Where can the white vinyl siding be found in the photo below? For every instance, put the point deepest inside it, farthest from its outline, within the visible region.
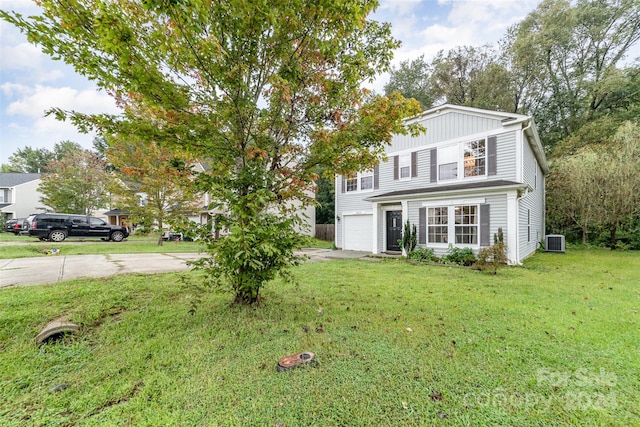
(531, 206)
(444, 127)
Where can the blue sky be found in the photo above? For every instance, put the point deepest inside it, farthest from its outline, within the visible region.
(31, 83)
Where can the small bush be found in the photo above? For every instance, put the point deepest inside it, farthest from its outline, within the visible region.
(493, 257)
(459, 256)
(423, 255)
(409, 238)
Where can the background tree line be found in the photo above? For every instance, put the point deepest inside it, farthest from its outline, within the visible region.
(564, 64)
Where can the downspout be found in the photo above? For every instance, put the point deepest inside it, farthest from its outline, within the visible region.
(520, 196)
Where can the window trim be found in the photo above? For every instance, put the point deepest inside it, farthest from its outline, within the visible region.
(358, 177)
(452, 226)
(460, 160)
(404, 162)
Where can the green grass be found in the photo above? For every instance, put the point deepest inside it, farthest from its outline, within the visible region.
(554, 343)
(30, 247)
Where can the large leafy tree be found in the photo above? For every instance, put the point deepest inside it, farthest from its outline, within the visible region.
(77, 183)
(573, 51)
(472, 76)
(475, 77)
(36, 160)
(412, 78)
(598, 187)
(264, 90)
(153, 183)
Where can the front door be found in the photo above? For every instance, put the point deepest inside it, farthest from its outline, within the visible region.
(394, 230)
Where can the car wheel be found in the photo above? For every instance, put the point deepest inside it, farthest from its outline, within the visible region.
(57, 236)
(117, 236)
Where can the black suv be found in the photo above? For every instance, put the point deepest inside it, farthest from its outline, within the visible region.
(57, 227)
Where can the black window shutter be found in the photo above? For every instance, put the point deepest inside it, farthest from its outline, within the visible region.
(422, 226)
(344, 184)
(485, 225)
(396, 161)
(492, 167)
(433, 166)
(376, 177)
(414, 164)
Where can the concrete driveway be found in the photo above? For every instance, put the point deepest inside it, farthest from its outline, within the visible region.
(54, 268)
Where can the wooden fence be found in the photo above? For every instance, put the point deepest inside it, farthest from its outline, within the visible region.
(326, 232)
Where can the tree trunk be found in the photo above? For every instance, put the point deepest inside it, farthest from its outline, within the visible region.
(612, 231)
(160, 242)
(246, 296)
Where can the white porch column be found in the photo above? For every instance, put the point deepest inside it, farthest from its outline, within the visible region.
(374, 228)
(512, 229)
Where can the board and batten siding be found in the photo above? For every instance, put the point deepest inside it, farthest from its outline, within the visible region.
(444, 127)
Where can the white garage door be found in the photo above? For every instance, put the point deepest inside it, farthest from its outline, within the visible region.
(358, 231)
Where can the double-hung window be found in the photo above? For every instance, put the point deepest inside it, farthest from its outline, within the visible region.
(405, 166)
(468, 157)
(366, 181)
(352, 183)
(453, 224)
(438, 228)
(448, 162)
(475, 158)
(362, 181)
(466, 229)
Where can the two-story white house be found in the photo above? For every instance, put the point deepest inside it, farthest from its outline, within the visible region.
(473, 171)
(19, 195)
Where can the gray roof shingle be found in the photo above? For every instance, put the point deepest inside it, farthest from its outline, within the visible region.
(13, 179)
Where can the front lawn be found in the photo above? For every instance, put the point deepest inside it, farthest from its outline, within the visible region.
(25, 246)
(554, 343)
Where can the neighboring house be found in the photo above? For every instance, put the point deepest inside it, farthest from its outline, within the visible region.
(206, 215)
(473, 171)
(203, 214)
(19, 195)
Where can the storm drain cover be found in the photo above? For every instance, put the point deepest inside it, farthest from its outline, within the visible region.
(306, 358)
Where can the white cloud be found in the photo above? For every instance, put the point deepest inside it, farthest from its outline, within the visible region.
(34, 101)
(23, 55)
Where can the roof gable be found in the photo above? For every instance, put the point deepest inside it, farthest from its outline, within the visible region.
(505, 118)
(14, 179)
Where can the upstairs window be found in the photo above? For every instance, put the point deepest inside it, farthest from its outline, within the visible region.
(405, 166)
(475, 158)
(448, 162)
(362, 181)
(366, 182)
(465, 160)
(352, 183)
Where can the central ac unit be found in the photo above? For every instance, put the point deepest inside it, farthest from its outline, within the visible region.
(554, 243)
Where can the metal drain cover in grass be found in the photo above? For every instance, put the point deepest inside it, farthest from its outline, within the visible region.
(306, 358)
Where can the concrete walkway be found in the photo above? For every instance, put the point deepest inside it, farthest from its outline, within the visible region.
(54, 268)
